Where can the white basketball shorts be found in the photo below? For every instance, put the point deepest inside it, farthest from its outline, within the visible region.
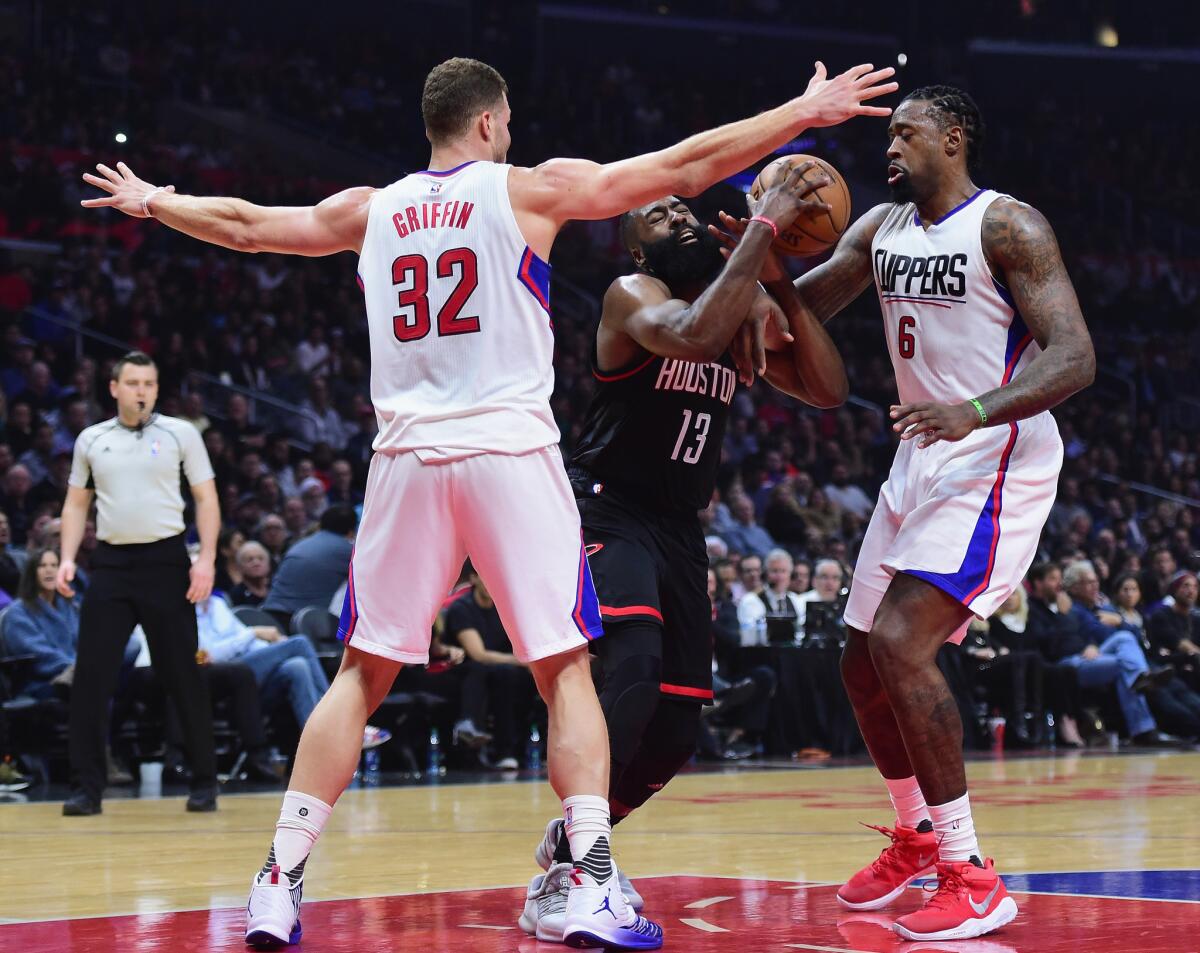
(515, 516)
(965, 517)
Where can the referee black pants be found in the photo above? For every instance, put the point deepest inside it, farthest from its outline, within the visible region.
(143, 583)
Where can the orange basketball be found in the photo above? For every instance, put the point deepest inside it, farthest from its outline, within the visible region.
(811, 234)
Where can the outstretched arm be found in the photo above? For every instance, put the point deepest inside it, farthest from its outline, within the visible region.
(1019, 243)
(564, 189)
(336, 224)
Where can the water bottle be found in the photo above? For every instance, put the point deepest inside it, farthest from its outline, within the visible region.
(1051, 731)
(760, 631)
(435, 753)
(533, 751)
(371, 766)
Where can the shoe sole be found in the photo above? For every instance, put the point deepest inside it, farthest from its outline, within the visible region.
(886, 898)
(266, 939)
(1005, 913)
(582, 939)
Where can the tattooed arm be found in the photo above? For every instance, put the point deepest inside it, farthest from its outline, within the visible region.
(831, 286)
(1020, 246)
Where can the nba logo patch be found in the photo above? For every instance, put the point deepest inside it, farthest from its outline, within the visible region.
(435, 188)
(154, 448)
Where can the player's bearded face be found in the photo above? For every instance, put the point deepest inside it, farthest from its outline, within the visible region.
(695, 262)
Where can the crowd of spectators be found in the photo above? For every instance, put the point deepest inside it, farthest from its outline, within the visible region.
(267, 355)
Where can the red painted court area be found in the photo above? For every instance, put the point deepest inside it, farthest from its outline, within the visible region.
(700, 915)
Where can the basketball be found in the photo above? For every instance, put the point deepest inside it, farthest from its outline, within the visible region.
(811, 234)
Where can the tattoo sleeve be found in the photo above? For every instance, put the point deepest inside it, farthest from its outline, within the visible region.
(1019, 242)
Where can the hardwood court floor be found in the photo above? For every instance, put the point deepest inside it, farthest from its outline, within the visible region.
(1100, 852)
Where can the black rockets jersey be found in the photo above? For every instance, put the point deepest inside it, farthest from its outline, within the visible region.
(654, 430)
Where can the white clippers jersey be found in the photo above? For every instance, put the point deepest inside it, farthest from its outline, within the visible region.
(952, 329)
(458, 308)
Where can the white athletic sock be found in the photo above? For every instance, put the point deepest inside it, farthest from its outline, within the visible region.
(955, 830)
(300, 823)
(908, 801)
(588, 832)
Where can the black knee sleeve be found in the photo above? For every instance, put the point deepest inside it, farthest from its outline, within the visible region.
(631, 656)
(669, 743)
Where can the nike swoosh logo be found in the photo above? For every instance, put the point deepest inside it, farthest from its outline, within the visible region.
(923, 862)
(981, 908)
(592, 548)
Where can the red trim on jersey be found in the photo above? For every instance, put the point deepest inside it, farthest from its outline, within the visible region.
(934, 304)
(997, 501)
(609, 378)
(686, 691)
(361, 286)
(1018, 351)
(631, 610)
(465, 587)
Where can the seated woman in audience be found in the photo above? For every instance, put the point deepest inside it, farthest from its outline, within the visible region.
(228, 573)
(284, 668)
(43, 624)
(1127, 602)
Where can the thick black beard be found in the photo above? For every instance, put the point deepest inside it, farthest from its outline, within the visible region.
(681, 266)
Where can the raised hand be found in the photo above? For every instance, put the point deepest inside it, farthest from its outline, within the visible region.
(787, 196)
(126, 192)
(828, 102)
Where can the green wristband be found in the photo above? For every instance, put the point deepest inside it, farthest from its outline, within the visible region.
(982, 413)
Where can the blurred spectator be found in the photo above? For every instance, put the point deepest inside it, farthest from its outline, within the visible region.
(746, 536)
(18, 502)
(254, 564)
(1174, 630)
(229, 574)
(296, 518)
(319, 421)
(43, 624)
(1157, 578)
(314, 498)
(827, 579)
(801, 578)
(750, 578)
(12, 559)
(286, 670)
(314, 568)
(497, 687)
(272, 533)
(846, 495)
(37, 458)
(342, 488)
(771, 615)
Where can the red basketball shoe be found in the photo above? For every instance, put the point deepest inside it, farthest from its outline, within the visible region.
(912, 854)
(969, 901)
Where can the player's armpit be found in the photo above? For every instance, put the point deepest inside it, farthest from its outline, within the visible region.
(831, 286)
(1020, 244)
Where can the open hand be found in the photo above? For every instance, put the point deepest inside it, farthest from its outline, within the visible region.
(125, 190)
(933, 422)
(827, 102)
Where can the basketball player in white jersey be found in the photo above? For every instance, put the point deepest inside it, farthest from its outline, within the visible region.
(452, 261)
(985, 335)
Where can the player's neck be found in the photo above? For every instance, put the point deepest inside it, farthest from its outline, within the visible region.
(946, 199)
(449, 157)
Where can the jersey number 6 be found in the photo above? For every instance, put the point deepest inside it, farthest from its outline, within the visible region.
(410, 274)
(906, 341)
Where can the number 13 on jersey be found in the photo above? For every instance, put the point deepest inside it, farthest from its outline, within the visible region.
(692, 436)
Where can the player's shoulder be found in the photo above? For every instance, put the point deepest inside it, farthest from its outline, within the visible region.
(183, 431)
(862, 232)
(1014, 229)
(636, 287)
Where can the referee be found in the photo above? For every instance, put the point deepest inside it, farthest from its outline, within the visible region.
(140, 573)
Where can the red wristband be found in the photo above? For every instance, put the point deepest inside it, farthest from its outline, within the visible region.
(766, 221)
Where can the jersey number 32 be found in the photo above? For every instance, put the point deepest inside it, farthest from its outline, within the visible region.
(410, 275)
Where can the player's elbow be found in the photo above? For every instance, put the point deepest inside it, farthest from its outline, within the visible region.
(1085, 366)
(828, 395)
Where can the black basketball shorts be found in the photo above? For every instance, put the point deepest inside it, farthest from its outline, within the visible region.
(653, 567)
